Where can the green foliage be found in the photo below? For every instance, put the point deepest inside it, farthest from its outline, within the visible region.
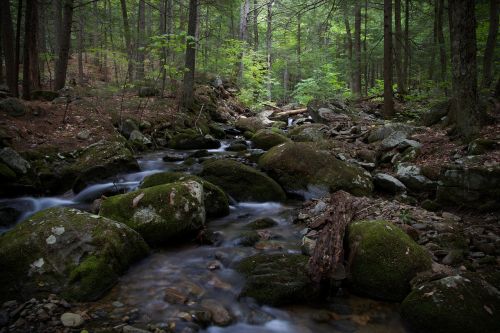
(323, 85)
(254, 79)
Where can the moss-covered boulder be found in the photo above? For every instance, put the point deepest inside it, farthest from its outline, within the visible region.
(276, 279)
(301, 167)
(267, 138)
(68, 252)
(309, 133)
(101, 160)
(384, 260)
(162, 214)
(216, 201)
(242, 182)
(190, 139)
(252, 124)
(458, 304)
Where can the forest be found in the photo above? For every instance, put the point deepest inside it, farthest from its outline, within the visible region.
(253, 166)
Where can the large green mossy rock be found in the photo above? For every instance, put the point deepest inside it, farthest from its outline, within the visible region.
(458, 304)
(276, 279)
(302, 167)
(162, 214)
(216, 201)
(242, 182)
(101, 160)
(68, 252)
(267, 138)
(384, 260)
(190, 139)
(309, 133)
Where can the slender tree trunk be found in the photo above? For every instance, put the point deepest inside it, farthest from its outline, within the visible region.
(299, 47)
(18, 38)
(80, 45)
(2, 77)
(243, 35)
(65, 44)
(388, 98)
(255, 26)
(365, 51)
(399, 47)
(42, 47)
(269, 43)
(489, 51)
(433, 48)
(407, 49)
(349, 49)
(58, 8)
(128, 39)
(30, 50)
(190, 64)
(465, 112)
(440, 36)
(141, 26)
(7, 36)
(357, 50)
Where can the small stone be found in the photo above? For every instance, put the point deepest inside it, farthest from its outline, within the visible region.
(220, 316)
(477, 254)
(69, 319)
(453, 257)
(173, 296)
(117, 304)
(131, 329)
(83, 135)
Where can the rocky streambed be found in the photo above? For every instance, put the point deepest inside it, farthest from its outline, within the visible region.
(214, 236)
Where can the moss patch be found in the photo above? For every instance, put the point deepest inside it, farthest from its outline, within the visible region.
(267, 138)
(385, 259)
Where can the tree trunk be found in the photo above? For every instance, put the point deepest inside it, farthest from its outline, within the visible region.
(433, 48)
(2, 78)
(141, 26)
(365, 50)
(399, 47)
(349, 48)
(243, 34)
(407, 49)
(489, 51)
(190, 64)
(255, 26)
(65, 43)
(18, 38)
(465, 112)
(440, 36)
(388, 98)
(356, 87)
(269, 43)
(42, 47)
(58, 8)
(128, 40)
(80, 45)
(30, 50)
(7, 36)
(299, 47)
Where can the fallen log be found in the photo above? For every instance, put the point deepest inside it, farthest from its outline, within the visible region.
(289, 113)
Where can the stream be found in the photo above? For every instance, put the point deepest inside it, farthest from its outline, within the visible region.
(206, 270)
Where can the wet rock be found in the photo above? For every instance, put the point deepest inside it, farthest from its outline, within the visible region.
(387, 183)
(301, 167)
(69, 319)
(200, 154)
(268, 138)
(237, 146)
(161, 214)
(461, 304)
(174, 296)
(242, 182)
(383, 255)
(13, 107)
(411, 176)
(220, 315)
(248, 238)
(309, 133)
(476, 188)
(191, 139)
(174, 157)
(276, 279)
(262, 223)
(99, 161)
(14, 161)
(137, 137)
(66, 251)
(216, 201)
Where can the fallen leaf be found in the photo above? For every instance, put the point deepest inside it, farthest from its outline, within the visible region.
(136, 200)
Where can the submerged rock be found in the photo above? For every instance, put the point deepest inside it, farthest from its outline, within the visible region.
(216, 201)
(268, 138)
(300, 167)
(190, 139)
(242, 182)
(162, 214)
(384, 260)
(276, 279)
(459, 304)
(66, 251)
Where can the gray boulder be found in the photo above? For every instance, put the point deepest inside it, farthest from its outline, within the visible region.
(388, 183)
(411, 176)
(13, 107)
(14, 161)
(382, 132)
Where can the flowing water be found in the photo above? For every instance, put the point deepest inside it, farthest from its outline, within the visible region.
(207, 270)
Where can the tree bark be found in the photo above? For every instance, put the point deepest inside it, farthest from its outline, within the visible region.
(255, 26)
(407, 49)
(243, 34)
(489, 51)
(399, 47)
(440, 37)
(31, 76)
(80, 45)
(349, 49)
(65, 44)
(434, 45)
(357, 50)
(388, 98)
(18, 38)
(128, 40)
(190, 63)
(299, 47)
(465, 111)
(269, 43)
(7, 33)
(141, 26)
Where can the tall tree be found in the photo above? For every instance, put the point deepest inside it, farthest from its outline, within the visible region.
(64, 34)
(356, 86)
(348, 46)
(398, 50)
(407, 49)
(31, 77)
(7, 33)
(255, 26)
(490, 45)
(128, 39)
(465, 111)
(190, 60)
(141, 36)
(269, 44)
(388, 98)
(440, 38)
